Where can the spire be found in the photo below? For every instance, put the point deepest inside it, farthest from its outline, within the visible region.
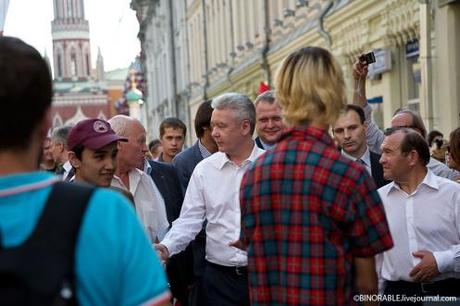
(100, 74)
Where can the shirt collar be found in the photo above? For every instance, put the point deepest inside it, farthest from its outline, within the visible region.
(430, 181)
(222, 158)
(204, 152)
(366, 157)
(67, 166)
(308, 133)
(147, 167)
(266, 145)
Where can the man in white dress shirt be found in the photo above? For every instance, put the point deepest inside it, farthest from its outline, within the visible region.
(423, 211)
(150, 206)
(213, 194)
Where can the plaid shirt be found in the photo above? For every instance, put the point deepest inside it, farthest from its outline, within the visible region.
(306, 211)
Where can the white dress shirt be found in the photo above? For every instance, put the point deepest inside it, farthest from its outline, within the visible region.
(365, 160)
(375, 137)
(428, 219)
(150, 205)
(67, 167)
(213, 194)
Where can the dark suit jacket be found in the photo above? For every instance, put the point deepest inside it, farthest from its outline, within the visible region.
(185, 163)
(377, 170)
(168, 183)
(259, 143)
(179, 268)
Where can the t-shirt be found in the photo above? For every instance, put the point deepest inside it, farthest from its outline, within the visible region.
(115, 262)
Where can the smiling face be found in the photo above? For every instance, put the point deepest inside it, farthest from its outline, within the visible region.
(350, 134)
(96, 167)
(228, 130)
(269, 123)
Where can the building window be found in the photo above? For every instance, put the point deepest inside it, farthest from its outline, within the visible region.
(73, 64)
(88, 67)
(59, 65)
(413, 74)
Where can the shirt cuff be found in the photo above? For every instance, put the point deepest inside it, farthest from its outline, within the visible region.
(367, 111)
(444, 260)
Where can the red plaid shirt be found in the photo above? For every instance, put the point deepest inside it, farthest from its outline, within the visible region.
(306, 211)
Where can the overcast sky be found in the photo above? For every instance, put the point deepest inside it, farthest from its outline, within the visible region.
(113, 27)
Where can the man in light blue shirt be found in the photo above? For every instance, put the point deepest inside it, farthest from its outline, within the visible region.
(114, 262)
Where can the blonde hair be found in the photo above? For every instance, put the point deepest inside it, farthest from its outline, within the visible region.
(310, 84)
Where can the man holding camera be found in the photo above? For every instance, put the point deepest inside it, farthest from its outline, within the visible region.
(403, 117)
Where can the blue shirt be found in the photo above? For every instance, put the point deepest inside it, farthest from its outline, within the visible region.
(115, 262)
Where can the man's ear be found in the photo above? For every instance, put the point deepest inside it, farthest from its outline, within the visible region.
(74, 161)
(413, 157)
(245, 127)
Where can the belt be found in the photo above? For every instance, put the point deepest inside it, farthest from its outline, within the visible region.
(238, 270)
(445, 287)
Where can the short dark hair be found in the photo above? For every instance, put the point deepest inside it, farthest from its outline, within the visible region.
(432, 135)
(154, 143)
(357, 109)
(78, 150)
(203, 118)
(454, 145)
(412, 141)
(417, 122)
(25, 92)
(174, 123)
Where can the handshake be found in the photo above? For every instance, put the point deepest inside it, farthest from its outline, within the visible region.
(162, 252)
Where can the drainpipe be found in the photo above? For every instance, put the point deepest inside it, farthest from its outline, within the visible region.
(173, 61)
(320, 26)
(205, 43)
(266, 47)
(426, 100)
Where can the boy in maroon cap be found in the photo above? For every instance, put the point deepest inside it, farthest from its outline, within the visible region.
(93, 150)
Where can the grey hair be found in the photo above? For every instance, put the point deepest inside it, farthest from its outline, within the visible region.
(268, 97)
(240, 104)
(120, 124)
(60, 134)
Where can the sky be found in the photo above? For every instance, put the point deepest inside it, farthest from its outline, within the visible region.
(113, 27)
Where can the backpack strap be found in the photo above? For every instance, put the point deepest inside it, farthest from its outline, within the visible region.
(46, 261)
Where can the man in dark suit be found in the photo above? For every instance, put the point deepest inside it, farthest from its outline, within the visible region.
(269, 123)
(350, 133)
(185, 163)
(180, 267)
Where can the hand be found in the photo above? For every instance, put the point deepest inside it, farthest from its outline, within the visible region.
(162, 251)
(359, 70)
(427, 269)
(239, 245)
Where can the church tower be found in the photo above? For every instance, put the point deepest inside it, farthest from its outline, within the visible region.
(71, 46)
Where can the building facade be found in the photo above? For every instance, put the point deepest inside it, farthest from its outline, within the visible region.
(233, 45)
(165, 62)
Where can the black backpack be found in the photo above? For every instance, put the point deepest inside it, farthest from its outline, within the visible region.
(41, 270)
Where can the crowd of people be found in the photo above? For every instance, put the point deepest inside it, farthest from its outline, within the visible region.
(320, 207)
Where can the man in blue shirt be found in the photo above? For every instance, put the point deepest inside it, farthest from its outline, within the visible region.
(114, 262)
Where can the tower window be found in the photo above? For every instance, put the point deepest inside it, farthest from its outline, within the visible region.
(59, 65)
(73, 65)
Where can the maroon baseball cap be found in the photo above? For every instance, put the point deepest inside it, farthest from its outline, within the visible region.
(93, 134)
